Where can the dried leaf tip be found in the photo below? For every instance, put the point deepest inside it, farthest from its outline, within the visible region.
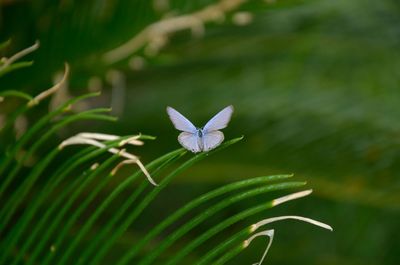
(36, 100)
(8, 61)
(134, 140)
(94, 140)
(293, 217)
(270, 233)
(290, 197)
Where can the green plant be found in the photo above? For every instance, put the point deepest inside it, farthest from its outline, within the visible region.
(50, 209)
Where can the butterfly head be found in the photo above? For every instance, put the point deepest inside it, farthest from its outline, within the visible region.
(200, 132)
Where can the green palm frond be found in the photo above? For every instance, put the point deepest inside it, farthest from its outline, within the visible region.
(62, 208)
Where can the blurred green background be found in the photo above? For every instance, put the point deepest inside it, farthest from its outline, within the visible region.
(315, 86)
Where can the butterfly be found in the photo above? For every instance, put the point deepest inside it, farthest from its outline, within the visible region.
(200, 139)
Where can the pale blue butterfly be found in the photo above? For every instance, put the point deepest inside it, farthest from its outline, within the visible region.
(200, 139)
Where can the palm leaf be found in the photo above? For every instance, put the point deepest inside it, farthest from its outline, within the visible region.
(61, 209)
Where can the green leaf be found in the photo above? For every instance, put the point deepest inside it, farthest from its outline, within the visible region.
(193, 204)
(15, 66)
(15, 93)
(5, 44)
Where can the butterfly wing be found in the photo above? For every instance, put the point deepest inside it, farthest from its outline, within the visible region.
(180, 122)
(189, 141)
(212, 139)
(220, 120)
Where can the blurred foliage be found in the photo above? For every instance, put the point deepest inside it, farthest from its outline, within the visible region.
(315, 86)
(51, 208)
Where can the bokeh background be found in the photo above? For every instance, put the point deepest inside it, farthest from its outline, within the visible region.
(315, 86)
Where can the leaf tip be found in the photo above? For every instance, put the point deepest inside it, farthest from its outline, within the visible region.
(291, 197)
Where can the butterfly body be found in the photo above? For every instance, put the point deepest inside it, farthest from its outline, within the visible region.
(200, 132)
(201, 139)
